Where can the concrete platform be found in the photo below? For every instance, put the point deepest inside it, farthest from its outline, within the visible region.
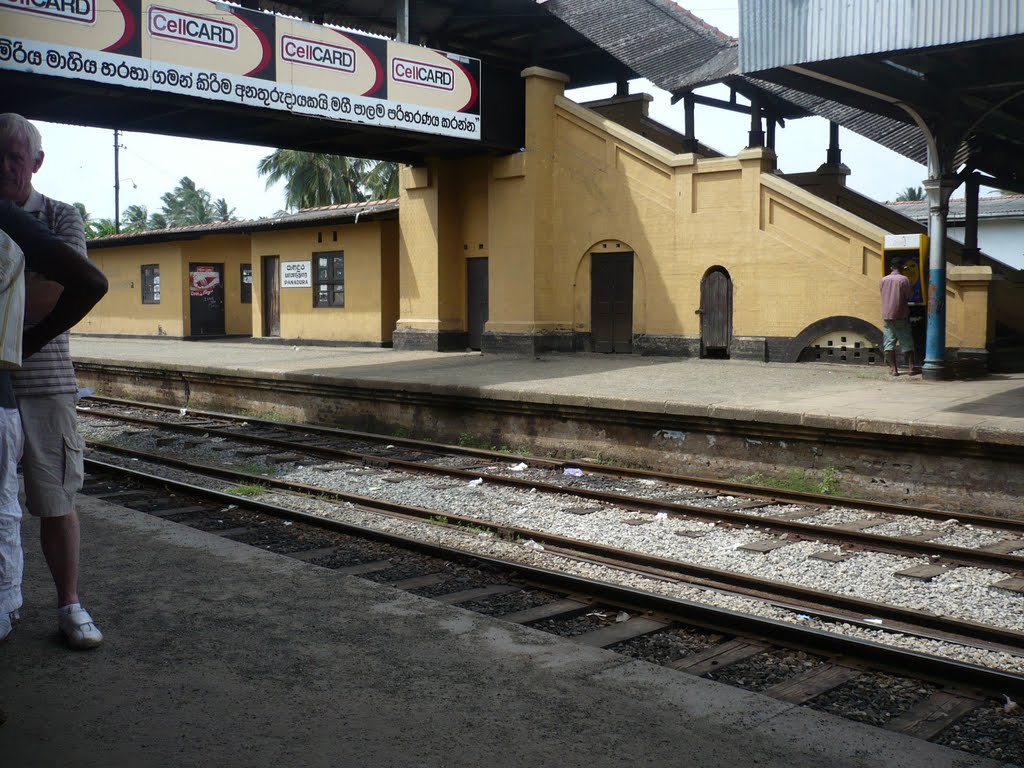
(218, 654)
(831, 397)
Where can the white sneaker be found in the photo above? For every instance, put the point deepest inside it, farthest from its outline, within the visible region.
(78, 627)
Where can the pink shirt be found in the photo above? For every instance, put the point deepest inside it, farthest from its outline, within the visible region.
(895, 296)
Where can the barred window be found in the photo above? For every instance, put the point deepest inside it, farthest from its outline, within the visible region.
(150, 283)
(330, 279)
(246, 292)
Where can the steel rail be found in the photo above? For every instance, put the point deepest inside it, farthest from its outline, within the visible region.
(678, 569)
(726, 487)
(719, 619)
(944, 553)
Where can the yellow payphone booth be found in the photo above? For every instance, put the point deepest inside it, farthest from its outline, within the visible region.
(913, 251)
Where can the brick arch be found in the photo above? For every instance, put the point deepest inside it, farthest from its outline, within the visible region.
(834, 324)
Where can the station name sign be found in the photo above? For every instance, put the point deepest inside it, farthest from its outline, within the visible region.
(217, 51)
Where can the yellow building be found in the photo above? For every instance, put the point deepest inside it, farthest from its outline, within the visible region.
(595, 238)
(325, 274)
(601, 235)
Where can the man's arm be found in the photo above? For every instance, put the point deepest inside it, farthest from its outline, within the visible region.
(84, 284)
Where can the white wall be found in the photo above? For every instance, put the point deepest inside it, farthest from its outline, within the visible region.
(1001, 239)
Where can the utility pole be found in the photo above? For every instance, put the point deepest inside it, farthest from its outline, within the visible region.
(117, 189)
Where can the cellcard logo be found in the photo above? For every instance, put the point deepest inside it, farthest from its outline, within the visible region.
(421, 73)
(316, 54)
(82, 11)
(187, 28)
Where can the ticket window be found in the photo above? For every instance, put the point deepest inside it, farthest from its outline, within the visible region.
(912, 250)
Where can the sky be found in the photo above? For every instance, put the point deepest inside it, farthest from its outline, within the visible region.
(79, 164)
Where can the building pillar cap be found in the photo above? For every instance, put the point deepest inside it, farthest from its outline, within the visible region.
(547, 74)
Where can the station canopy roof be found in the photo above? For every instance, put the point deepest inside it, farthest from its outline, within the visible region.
(591, 41)
(598, 42)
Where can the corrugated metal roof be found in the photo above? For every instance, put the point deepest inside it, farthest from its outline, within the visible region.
(660, 40)
(678, 52)
(778, 33)
(993, 207)
(330, 214)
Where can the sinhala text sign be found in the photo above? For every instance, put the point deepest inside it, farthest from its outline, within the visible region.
(223, 52)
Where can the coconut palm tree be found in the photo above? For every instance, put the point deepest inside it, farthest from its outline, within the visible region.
(312, 179)
(910, 194)
(221, 211)
(187, 204)
(99, 228)
(379, 179)
(135, 219)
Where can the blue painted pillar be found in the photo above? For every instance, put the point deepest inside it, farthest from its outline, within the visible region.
(939, 191)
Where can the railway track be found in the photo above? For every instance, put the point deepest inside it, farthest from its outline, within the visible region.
(842, 634)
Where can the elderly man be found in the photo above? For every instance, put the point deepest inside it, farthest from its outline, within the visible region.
(46, 390)
(24, 242)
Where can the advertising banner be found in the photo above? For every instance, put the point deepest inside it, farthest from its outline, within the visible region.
(223, 52)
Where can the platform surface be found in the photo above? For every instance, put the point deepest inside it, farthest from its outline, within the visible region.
(840, 397)
(218, 654)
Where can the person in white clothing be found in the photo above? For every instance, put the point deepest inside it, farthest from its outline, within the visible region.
(25, 243)
(46, 391)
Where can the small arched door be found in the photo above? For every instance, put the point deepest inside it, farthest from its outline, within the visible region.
(611, 302)
(715, 313)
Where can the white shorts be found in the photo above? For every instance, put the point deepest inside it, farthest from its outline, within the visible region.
(12, 562)
(54, 451)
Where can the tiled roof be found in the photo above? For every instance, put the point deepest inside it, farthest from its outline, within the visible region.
(989, 207)
(328, 214)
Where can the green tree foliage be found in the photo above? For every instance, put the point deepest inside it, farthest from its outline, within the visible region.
(910, 194)
(311, 179)
(221, 211)
(99, 228)
(135, 219)
(157, 221)
(187, 205)
(379, 179)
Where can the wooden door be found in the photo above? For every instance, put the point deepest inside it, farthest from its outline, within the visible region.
(716, 312)
(271, 296)
(476, 300)
(206, 299)
(611, 302)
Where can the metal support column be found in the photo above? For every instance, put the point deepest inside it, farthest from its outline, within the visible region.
(690, 134)
(756, 135)
(834, 155)
(402, 30)
(971, 252)
(939, 190)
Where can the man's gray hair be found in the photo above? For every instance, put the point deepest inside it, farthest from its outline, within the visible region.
(12, 125)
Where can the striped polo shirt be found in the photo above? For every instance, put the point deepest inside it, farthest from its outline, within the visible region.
(50, 371)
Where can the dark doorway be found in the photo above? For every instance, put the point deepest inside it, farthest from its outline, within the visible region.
(206, 299)
(611, 302)
(715, 313)
(476, 300)
(271, 297)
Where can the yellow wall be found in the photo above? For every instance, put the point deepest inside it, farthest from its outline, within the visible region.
(370, 310)
(121, 311)
(587, 185)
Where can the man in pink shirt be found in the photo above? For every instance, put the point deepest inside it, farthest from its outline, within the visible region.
(896, 317)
